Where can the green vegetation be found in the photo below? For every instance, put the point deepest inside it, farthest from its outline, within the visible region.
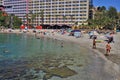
(34, 17)
(105, 19)
(42, 17)
(9, 21)
(16, 22)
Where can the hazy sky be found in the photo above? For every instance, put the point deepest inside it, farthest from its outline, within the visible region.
(107, 3)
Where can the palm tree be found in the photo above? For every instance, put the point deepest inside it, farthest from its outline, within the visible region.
(56, 18)
(11, 23)
(49, 18)
(71, 17)
(32, 19)
(64, 18)
(36, 15)
(32, 16)
(42, 17)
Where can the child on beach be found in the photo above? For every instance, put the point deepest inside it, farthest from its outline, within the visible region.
(108, 48)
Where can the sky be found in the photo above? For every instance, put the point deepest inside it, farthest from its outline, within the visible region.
(107, 3)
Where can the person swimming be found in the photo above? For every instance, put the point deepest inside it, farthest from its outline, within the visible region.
(5, 51)
(62, 44)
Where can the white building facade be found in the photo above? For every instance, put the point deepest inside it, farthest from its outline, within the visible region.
(16, 7)
(1, 2)
(57, 12)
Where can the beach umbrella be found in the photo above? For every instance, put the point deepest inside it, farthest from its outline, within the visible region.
(39, 27)
(22, 27)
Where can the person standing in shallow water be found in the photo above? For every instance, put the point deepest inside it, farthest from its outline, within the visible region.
(108, 48)
(62, 44)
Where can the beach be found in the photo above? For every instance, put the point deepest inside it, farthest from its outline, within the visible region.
(108, 67)
(112, 62)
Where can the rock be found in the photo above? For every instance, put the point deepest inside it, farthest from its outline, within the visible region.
(9, 75)
(29, 77)
(47, 76)
(80, 65)
(62, 72)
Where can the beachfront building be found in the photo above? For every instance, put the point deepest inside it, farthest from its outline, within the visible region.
(17, 8)
(1, 8)
(1, 5)
(50, 12)
(1, 2)
(62, 11)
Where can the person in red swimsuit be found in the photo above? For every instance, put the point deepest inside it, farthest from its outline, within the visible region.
(108, 48)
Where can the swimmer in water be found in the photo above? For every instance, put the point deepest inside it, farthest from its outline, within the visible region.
(5, 51)
(62, 44)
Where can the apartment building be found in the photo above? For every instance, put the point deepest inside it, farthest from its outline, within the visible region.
(1, 5)
(1, 2)
(62, 11)
(53, 11)
(16, 7)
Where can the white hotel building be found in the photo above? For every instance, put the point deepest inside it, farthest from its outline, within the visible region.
(16, 7)
(55, 11)
(1, 2)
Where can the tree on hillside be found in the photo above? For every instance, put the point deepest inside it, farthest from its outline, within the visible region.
(104, 18)
(98, 20)
(112, 12)
(100, 9)
(113, 16)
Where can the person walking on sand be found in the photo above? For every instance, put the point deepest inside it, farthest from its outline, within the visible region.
(108, 48)
(111, 39)
(94, 43)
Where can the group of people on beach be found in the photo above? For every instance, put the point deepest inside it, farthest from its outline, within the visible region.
(107, 46)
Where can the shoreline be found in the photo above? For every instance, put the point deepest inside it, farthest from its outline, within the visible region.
(84, 42)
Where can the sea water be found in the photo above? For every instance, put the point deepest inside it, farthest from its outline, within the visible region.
(22, 45)
(25, 57)
(16, 49)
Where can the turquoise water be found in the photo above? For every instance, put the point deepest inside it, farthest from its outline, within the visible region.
(21, 53)
(22, 45)
(23, 57)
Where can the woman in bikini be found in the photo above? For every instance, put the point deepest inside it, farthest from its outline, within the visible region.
(108, 48)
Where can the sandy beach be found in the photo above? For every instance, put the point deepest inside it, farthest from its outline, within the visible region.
(111, 63)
